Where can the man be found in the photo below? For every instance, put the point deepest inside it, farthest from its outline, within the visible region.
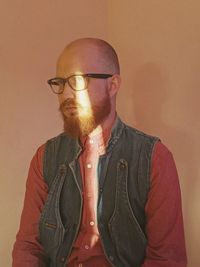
(102, 193)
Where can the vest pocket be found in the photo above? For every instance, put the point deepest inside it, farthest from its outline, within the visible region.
(49, 236)
(128, 239)
(125, 231)
(50, 225)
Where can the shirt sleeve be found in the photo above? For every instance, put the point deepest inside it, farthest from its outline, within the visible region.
(27, 250)
(164, 225)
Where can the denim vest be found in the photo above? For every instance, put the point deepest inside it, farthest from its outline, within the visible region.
(124, 181)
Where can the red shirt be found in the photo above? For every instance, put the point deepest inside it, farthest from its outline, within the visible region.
(164, 227)
(88, 242)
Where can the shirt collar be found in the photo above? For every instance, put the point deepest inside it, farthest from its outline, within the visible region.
(99, 140)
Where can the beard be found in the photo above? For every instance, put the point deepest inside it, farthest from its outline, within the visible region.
(80, 120)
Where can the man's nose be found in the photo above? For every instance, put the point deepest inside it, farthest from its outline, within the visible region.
(68, 92)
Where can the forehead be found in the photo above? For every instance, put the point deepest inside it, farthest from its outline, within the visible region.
(80, 59)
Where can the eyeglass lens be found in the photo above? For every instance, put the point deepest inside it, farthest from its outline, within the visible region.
(76, 82)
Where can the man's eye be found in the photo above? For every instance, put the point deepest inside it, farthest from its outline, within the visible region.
(57, 82)
(77, 82)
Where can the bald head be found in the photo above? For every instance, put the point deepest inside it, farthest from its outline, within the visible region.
(95, 55)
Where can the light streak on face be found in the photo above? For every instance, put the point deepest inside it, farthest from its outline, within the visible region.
(83, 98)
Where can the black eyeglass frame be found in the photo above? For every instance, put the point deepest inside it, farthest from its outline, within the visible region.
(66, 80)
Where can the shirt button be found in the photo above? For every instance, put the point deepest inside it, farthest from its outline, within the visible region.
(91, 223)
(111, 258)
(91, 141)
(62, 259)
(86, 247)
(89, 166)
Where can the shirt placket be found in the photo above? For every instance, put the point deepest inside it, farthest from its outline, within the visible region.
(90, 163)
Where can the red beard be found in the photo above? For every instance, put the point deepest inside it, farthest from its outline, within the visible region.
(76, 124)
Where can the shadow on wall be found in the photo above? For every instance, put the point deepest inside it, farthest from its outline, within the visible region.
(150, 93)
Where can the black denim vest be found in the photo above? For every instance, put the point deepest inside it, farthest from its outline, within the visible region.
(124, 180)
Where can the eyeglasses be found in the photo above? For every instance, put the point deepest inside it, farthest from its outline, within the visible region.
(77, 82)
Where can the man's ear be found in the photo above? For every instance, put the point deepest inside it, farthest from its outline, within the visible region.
(114, 84)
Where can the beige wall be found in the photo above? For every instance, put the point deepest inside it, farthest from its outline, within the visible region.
(158, 43)
(159, 46)
(32, 35)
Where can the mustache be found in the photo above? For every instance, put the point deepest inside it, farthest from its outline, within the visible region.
(69, 102)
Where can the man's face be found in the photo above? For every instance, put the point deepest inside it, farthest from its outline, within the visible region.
(83, 111)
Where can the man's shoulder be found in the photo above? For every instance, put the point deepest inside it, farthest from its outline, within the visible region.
(134, 132)
(61, 138)
(57, 137)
